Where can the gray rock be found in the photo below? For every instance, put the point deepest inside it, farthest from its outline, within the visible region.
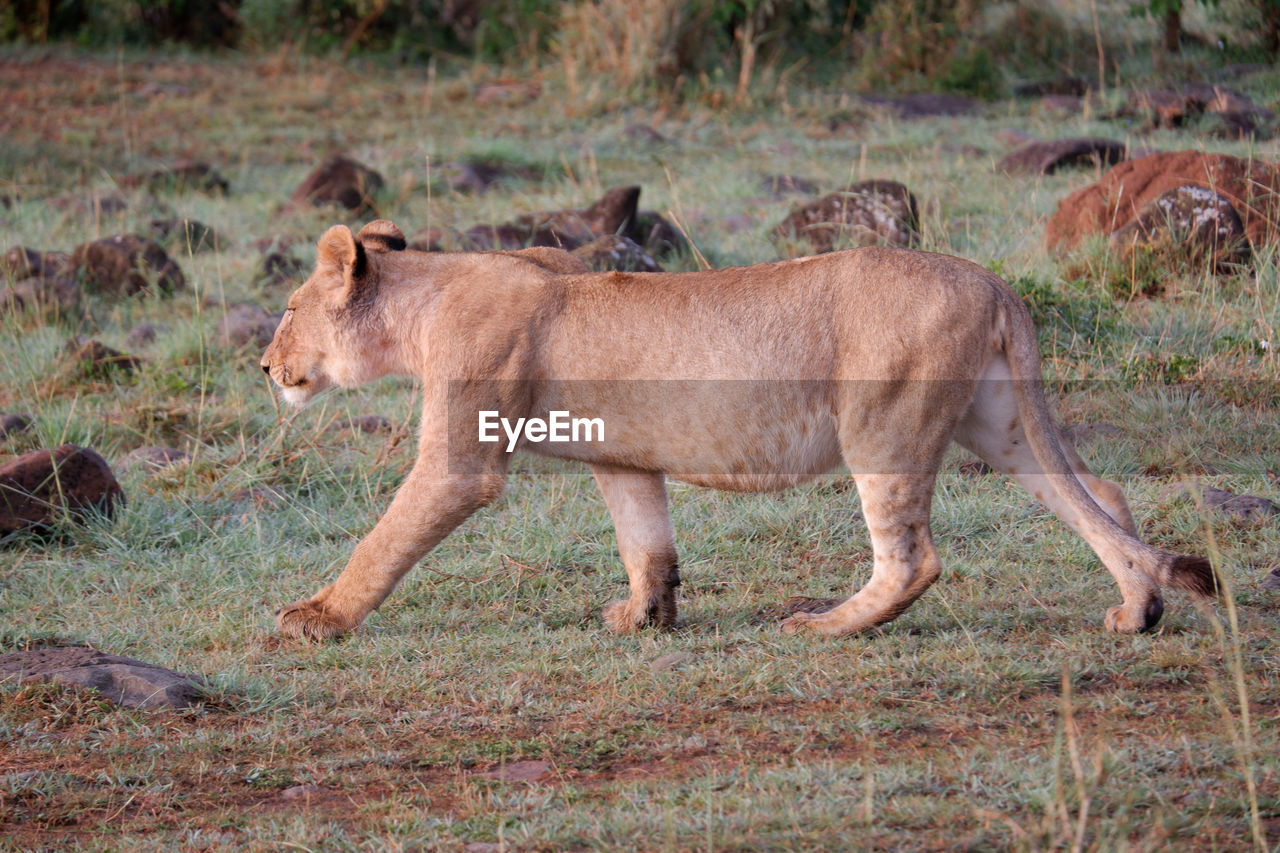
(11, 425)
(248, 325)
(41, 487)
(1272, 580)
(1248, 509)
(141, 335)
(1045, 158)
(122, 680)
(864, 214)
(1193, 224)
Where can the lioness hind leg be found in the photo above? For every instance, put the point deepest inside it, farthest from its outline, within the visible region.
(993, 430)
(896, 507)
(637, 502)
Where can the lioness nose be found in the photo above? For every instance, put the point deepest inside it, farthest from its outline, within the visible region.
(266, 368)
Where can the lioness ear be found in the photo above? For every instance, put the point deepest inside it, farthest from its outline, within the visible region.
(339, 250)
(381, 236)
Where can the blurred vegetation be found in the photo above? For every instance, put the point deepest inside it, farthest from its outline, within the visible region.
(967, 46)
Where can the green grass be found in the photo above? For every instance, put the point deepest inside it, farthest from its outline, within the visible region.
(996, 713)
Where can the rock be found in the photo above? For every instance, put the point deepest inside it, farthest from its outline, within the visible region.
(186, 235)
(11, 425)
(40, 487)
(780, 186)
(1067, 84)
(368, 424)
(303, 792)
(122, 680)
(616, 253)
(520, 771)
(141, 335)
(613, 213)
(1082, 434)
(671, 661)
(1045, 158)
(1238, 117)
(922, 105)
(279, 268)
(1191, 224)
(1243, 508)
(339, 180)
(153, 458)
(869, 213)
(181, 176)
(477, 174)
(93, 359)
(58, 293)
(1252, 187)
(1272, 580)
(21, 262)
(248, 325)
(126, 264)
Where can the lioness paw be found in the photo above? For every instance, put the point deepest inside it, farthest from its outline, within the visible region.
(307, 620)
(627, 616)
(1125, 619)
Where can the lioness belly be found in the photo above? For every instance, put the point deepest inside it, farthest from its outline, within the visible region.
(742, 435)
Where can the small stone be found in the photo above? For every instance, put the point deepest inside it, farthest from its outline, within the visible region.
(11, 425)
(248, 325)
(93, 359)
(40, 487)
(1248, 509)
(671, 661)
(122, 680)
(186, 235)
(339, 180)
(302, 792)
(126, 264)
(141, 335)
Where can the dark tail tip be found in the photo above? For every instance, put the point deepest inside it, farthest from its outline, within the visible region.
(1195, 575)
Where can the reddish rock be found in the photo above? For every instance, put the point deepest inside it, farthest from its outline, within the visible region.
(40, 487)
(339, 180)
(865, 214)
(1252, 187)
(126, 264)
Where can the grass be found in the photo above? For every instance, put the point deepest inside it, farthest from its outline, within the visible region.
(996, 713)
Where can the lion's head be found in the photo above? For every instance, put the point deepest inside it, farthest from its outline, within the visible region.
(332, 332)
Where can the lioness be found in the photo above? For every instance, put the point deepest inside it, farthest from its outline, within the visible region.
(750, 378)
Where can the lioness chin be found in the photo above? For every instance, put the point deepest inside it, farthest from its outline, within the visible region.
(751, 378)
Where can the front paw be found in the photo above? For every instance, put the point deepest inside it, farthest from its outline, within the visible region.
(309, 620)
(628, 616)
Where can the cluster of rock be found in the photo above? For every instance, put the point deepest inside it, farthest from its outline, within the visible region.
(1200, 207)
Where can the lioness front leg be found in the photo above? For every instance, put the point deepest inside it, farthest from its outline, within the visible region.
(896, 508)
(637, 502)
(426, 508)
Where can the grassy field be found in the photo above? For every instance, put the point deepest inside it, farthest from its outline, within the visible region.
(484, 707)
